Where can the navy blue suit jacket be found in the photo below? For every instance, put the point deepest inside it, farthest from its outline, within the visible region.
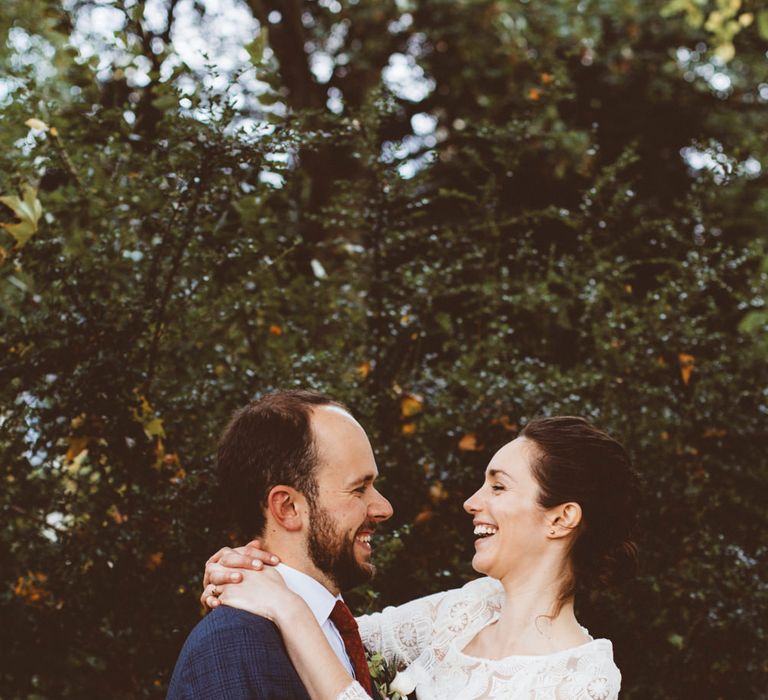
(234, 655)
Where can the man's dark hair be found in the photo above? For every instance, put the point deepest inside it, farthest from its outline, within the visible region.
(266, 443)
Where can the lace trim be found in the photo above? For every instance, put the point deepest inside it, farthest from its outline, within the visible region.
(428, 635)
(354, 691)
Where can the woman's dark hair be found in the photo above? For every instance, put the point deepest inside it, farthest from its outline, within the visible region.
(576, 462)
(267, 443)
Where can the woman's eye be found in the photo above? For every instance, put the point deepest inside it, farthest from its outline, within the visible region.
(497, 487)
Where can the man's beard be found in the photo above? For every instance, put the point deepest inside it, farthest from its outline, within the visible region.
(334, 554)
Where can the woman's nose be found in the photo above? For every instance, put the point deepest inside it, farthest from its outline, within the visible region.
(471, 505)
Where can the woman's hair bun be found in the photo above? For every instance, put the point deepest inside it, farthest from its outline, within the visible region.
(579, 463)
(618, 564)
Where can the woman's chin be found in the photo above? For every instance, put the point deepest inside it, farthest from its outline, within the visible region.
(477, 565)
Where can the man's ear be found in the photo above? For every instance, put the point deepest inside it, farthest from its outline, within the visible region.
(564, 519)
(287, 507)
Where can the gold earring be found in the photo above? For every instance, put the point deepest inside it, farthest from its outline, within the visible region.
(552, 531)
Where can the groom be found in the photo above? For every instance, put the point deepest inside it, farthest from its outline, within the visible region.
(298, 471)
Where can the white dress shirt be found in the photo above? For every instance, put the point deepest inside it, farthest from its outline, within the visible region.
(321, 602)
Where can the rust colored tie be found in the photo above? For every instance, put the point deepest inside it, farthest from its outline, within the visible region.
(342, 617)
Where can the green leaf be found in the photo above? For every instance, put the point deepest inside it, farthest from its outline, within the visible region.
(256, 48)
(166, 102)
(762, 24)
(754, 321)
(676, 640)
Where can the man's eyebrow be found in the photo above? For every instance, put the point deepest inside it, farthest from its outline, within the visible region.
(367, 479)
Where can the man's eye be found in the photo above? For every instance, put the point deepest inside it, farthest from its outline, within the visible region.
(497, 487)
(360, 489)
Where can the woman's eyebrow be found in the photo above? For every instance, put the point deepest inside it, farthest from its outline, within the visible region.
(496, 472)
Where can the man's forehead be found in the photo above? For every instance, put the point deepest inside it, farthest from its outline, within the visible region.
(334, 427)
(334, 409)
(343, 444)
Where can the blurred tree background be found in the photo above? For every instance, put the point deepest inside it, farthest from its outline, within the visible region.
(452, 215)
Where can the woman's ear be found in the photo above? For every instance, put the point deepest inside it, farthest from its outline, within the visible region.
(287, 507)
(563, 520)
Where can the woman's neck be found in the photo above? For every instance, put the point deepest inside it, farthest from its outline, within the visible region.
(533, 620)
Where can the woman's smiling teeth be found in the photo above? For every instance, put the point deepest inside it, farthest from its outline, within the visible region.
(485, 530)
(365, 539)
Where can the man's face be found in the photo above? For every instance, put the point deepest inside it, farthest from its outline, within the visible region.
(348, 506)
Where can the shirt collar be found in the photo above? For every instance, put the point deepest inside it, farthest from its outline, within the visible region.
(316, 595)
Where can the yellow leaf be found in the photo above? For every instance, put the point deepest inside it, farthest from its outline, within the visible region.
(171, 459)
(77, 421)
(274, 329)
(534, 94)
(154, 560)
(423, 516)
(30, 588)
(114, 513)
(36, 124)
(469, 443)
(507, 424)
(725, 51)
(154, 428)
(746, 19)
(76, 464)
(76, 446)
(152, 424)
(27, 209)
(409, 428)
(179, 476)
(686, 366)
(364, 369)
(437, 492)
(714, 433)
(411, 405)
(159, 453)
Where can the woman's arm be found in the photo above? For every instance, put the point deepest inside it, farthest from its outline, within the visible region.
(264, 593)
(399, 634)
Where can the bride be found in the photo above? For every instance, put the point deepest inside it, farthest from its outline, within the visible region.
(552, 521)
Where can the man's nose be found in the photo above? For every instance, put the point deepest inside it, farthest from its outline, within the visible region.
(380, 508)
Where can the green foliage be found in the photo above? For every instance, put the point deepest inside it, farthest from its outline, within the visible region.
(577, 229)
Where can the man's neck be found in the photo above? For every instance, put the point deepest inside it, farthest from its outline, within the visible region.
(292, 556)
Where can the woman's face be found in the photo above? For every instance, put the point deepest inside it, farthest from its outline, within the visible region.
(510, 526)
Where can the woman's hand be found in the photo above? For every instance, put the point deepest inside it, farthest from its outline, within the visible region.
(263, 593)
(244, 578)
(225, 567)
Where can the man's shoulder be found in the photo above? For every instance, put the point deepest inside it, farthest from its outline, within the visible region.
(234, 654)
(226, 619)
(242, 633)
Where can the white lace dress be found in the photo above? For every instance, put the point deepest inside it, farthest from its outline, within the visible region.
(427, 636)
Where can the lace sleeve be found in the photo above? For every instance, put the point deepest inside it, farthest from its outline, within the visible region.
(400, 633)
(354, 691)
(591, 677)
